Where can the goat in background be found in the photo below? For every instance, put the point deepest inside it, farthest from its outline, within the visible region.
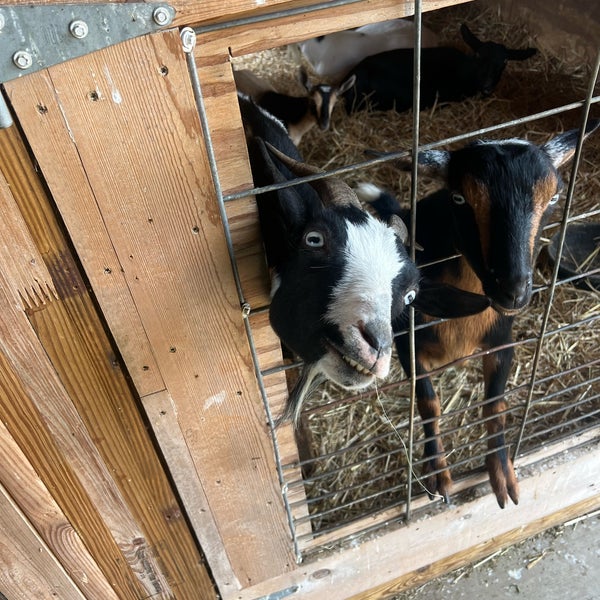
(299, 114)
(385, 81)
(497, 198)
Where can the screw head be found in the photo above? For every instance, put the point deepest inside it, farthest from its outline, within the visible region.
(78, 29)
(22, 59)
(188, 39)
(162, 16)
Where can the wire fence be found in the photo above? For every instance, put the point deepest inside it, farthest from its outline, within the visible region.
(562, 407)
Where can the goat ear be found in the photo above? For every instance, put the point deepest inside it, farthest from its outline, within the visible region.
(432, 163)
(346, 85)
(523, 54)
(291, 207)
(446, 301)
(470, 38)
(561, 148)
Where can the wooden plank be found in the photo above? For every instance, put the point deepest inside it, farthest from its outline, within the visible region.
(154, 191)
(385, 564)
(42, 120)
(160, 549)
(28, 569)
(228, 139)
(34, 500)
(215, 47)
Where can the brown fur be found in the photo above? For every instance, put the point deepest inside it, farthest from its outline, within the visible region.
(543, 190)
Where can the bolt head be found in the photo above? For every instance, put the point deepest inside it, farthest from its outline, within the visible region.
(78, 29)
(161, 16)
(22, 59)
(188, 39)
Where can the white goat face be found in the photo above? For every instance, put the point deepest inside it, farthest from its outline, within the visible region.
(361, 305)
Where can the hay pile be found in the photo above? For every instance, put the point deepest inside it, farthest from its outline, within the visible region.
(359, 462)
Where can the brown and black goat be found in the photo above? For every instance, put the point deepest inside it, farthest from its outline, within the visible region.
(497, 198)
(299, 114)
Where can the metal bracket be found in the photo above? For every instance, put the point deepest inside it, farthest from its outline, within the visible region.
(33, 37)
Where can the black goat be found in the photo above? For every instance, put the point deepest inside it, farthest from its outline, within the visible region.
(339, 275)
(298, 113)
(498, 196)
(385, 81)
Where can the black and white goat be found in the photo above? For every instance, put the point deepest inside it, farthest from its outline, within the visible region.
(385, 81)
(333, 55)
(339, 275)
(298, 113)
(497, 198)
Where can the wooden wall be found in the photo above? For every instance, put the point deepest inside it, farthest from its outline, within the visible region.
(135, 458)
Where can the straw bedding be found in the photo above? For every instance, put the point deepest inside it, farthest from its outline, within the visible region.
(371, 427)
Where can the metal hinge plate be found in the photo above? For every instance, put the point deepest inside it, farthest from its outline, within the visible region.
(34, 37)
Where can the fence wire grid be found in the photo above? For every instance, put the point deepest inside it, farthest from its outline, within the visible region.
(357, 482)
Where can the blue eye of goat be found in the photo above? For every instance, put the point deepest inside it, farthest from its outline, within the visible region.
(314, 239)
(409, 297)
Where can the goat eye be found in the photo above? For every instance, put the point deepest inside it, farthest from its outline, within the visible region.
(409, 297)
(314, 239)
(458, 198)
(554, 199)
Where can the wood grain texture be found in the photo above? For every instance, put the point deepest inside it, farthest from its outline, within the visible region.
(139, 142)
(28, 571)
(36, 505)
(77, 420)
(43, 122)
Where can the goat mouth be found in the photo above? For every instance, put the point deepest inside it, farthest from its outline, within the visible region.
(507, 312)
(351, 362)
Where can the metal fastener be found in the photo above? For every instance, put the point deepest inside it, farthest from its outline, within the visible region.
(22, 59)
(188, 39)
(162, 16)
(79, 29)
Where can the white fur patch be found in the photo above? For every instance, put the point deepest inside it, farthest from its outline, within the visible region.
(372, 262)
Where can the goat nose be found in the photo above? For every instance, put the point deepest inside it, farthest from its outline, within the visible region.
(516, 290)
(377, 334)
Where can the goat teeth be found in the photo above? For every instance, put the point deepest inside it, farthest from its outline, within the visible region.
(356, 366)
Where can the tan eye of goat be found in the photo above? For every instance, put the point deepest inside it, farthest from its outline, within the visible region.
(458, 198)
(409, 297)
(314, 239)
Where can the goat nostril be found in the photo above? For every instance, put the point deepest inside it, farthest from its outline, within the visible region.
(377, 335)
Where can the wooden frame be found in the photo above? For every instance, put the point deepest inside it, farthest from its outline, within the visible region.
(117, 139)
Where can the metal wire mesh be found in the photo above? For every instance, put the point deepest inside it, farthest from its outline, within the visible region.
(386, 486)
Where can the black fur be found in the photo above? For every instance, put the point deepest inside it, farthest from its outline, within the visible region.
(385, 81)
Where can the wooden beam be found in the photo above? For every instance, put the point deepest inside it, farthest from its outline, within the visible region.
(138, 140)
(70, 407)
(27, 491)
(216, 47)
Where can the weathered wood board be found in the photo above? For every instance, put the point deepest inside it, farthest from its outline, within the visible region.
(145, 194)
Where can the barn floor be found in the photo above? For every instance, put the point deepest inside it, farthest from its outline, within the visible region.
(559, 564)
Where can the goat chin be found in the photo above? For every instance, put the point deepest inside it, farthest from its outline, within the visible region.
(338, 368)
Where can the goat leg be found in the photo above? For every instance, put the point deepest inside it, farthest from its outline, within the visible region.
(499, 465)
(435, 469)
